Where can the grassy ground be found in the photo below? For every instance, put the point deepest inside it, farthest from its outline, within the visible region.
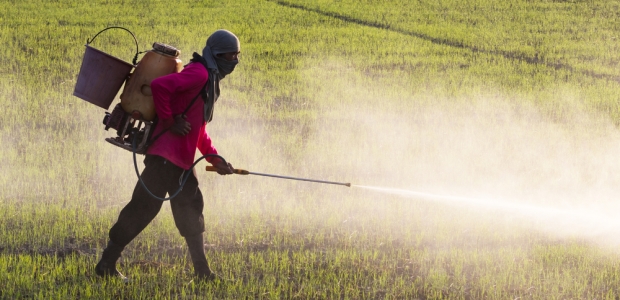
(513, 101)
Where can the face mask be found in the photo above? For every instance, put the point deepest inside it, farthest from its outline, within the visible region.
(225, 66)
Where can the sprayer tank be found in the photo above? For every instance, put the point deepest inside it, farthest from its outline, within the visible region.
(161, 60)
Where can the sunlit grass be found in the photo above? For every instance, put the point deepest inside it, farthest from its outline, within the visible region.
(437, 96)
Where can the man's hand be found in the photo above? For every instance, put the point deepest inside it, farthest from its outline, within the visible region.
(223, 168)
(181, 126)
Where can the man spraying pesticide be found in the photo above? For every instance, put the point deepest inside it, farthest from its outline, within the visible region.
(158, 116)
(180, 130)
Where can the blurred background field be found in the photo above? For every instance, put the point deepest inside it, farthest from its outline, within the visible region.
(512, 102)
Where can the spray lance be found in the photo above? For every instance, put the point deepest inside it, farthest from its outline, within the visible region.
(245, 172)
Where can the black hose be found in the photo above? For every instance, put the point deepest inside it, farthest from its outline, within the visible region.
(185, 176)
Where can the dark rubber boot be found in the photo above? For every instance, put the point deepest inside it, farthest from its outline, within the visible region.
(196, 247)
(107, 265)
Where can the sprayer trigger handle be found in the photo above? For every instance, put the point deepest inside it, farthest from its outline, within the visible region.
(236, 171)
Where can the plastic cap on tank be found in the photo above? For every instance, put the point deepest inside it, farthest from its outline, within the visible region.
(166, 49)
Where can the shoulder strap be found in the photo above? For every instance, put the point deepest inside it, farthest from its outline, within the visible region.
(196, 97)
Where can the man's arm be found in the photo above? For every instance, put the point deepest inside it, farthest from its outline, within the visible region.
(163, 88)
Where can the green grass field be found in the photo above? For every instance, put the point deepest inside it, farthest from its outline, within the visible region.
(507, 109)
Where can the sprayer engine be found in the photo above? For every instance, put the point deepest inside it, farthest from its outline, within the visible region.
(129, 127)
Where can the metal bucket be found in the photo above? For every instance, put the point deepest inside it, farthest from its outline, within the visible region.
(101, 77)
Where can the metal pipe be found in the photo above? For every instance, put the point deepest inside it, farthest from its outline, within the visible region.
(245, 172)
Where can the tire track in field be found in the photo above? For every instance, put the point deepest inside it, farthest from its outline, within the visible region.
(535, 60)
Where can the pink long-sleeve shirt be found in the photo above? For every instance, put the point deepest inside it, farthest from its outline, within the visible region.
(171, 95)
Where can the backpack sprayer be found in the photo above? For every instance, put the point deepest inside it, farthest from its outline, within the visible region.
(134, 118)
(101, 77)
